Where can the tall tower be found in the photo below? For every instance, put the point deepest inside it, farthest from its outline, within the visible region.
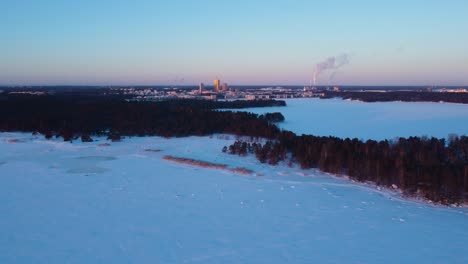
(224, 87)
(217, 84)
(201, 87)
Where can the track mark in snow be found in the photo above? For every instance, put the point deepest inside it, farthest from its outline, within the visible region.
(139, 156)
(152, 150)
(398, 219)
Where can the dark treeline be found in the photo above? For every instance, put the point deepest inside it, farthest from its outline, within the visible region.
(73, 117)
(406, 96)
(236, 104)
(426, 167)
(273, 117)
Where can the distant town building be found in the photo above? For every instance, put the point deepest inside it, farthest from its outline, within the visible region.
(460, 90)
(336, 89)
(224, 87)
(217, 85)
(201, 87)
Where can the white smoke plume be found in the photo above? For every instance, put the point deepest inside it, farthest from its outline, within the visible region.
(332, 63)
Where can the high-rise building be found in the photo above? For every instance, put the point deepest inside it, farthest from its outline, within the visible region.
(224, 87)
(201, 87)
(217, 84)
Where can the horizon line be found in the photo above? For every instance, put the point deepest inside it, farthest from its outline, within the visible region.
(240, 85)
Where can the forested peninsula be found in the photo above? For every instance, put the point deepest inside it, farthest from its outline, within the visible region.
(404, 96)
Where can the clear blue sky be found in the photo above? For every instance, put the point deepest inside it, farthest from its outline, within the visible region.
(242, 42)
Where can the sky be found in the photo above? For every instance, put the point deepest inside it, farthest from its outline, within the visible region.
(179, 42)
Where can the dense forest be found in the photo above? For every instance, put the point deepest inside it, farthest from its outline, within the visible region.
(405, 96)
(72, 117)
(426, 167)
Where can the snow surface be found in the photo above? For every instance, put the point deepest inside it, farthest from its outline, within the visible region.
(380, 120)
(84, 203)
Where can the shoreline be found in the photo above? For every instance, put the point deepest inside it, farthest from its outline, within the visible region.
(391, 193)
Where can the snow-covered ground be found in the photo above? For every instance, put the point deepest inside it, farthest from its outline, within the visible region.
(84, 203)
(385, 120)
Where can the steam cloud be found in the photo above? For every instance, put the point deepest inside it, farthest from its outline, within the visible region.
(332, 63)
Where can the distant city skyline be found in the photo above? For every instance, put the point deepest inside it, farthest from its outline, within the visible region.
(260, 42)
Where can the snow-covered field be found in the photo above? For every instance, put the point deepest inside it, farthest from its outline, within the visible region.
(84, 203)
(342, 118)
